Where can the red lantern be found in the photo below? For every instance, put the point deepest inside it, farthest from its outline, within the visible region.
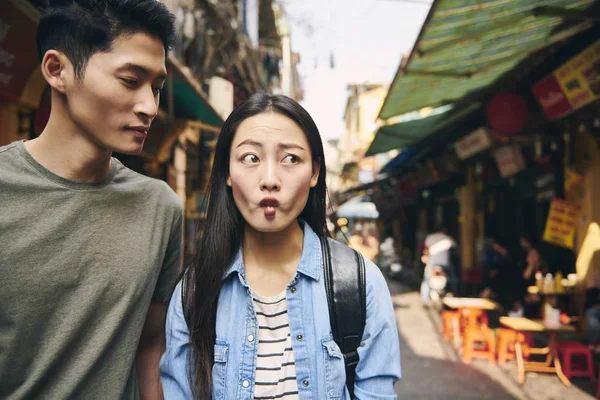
(507, 113)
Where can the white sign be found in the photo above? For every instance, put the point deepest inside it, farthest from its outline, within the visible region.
(509, 159)
(473, 143)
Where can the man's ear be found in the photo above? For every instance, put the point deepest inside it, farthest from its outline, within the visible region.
(316, 171)
(56, 68)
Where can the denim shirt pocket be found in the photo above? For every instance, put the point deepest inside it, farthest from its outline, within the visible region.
(335, 370)
(219, 371)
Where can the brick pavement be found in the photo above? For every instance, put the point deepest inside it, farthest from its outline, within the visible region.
(432, 369)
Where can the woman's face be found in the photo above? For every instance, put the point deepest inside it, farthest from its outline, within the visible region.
(271, 171)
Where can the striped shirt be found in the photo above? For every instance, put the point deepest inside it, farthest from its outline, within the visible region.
(275, 366)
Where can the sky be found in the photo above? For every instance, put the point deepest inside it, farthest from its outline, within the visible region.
(367, 39)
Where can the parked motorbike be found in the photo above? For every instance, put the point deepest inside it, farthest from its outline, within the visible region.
(438, 284)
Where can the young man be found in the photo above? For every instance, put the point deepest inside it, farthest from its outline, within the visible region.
(89, 250)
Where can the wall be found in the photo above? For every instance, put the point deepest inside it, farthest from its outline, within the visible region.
(588, 161)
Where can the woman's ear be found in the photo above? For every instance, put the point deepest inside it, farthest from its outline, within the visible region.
(316, 171)
(56, 69)
(229, 181)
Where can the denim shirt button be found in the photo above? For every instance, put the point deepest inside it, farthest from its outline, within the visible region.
(245, 384)
(305, 383)
(293, 289)
(300, 337)
(251, 338)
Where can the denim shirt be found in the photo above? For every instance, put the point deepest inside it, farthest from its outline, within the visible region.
(319, 363)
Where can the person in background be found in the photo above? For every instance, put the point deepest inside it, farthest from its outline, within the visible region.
(592, 311)
(437, 250)
(501, 279)
(89, 250)
(530, 265)
(364, 242)
(532, 261)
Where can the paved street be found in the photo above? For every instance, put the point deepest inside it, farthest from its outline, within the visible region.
(431, 368)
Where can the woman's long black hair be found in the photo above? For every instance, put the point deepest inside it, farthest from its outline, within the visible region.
(224, 228)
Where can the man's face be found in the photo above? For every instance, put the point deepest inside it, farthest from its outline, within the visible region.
(271, 171)
(117, 98)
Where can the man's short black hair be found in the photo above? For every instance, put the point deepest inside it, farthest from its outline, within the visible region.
(81, 28)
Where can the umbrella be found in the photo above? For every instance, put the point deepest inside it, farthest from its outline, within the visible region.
(356, 208)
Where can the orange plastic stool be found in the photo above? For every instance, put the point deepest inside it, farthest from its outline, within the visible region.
(449, 317)
(569, 349)
(506, 344)
(482, 336)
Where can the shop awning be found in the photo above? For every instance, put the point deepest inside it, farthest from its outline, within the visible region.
(406, 134)
(466, 45)
(189, 101)
(400, 160)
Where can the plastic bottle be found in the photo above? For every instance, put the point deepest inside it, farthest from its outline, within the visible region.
(559, 285)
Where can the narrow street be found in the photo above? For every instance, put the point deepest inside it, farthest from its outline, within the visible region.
(432, 369)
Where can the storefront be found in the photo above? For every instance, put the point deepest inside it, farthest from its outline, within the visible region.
(24, 101)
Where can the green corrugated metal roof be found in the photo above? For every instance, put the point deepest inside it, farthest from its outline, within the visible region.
(468, 44)
(405, 134)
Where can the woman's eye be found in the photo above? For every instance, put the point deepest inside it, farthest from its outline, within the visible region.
(156, 91)
(291, 159)
(250, 159)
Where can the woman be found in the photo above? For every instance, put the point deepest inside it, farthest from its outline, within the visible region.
(256, 301)
(532, 263)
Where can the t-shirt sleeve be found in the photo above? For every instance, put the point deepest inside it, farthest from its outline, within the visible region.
(171, 266)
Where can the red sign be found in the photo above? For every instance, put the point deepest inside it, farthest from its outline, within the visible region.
(573, 85)
(18, 51)
(552, 98)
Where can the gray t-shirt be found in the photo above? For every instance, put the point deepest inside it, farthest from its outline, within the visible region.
(80, 264)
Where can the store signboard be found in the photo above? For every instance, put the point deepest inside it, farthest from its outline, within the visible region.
(509, 160)
(561, 223)
(473, 143)
(18, 52)
(571, 86)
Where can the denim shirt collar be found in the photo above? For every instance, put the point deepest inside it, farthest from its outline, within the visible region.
(310, 263)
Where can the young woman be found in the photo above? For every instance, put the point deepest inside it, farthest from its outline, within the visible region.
(256, 302)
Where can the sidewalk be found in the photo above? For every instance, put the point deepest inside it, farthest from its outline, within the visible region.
(431, 368)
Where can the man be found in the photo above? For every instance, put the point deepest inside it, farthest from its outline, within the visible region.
(437, 250)
(89, 250)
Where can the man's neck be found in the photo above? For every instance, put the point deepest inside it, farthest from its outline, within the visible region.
(69, 154)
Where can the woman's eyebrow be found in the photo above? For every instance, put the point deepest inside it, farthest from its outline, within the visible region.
(284, 146)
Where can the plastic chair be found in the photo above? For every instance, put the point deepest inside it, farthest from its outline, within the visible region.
(506, 344)
(449, 317)
(568, 350)
(479, 336)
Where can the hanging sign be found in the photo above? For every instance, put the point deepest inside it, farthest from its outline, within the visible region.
(561, 223)
(509, 160)
(473, 143)
(572, 86)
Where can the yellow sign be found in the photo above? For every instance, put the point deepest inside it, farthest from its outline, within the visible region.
(560, 225)
(580, 77)
(574, 189)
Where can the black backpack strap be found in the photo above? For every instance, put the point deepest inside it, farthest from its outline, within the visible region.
(345, 285)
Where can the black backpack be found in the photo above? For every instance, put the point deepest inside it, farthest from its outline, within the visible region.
(345, 285)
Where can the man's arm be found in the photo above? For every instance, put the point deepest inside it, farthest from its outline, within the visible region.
(149, 351)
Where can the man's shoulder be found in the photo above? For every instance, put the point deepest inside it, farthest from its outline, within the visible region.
(8, 151)
(165, 195)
